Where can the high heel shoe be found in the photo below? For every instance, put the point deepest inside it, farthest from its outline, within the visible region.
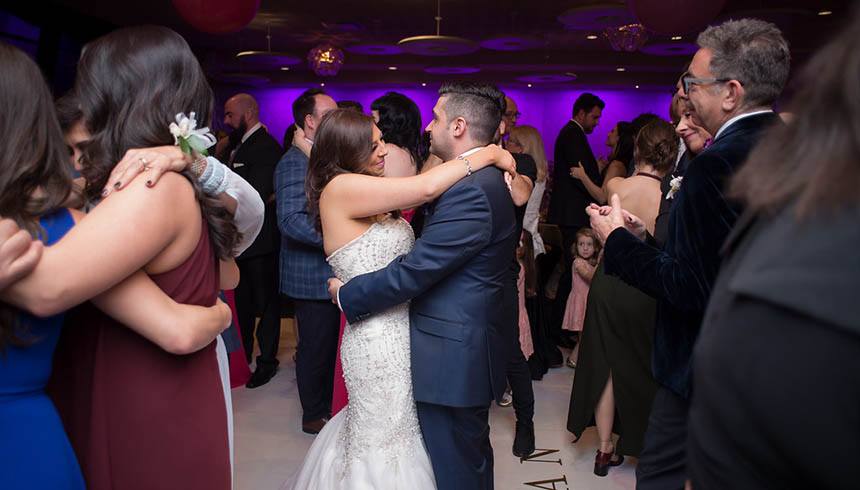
(603, 461)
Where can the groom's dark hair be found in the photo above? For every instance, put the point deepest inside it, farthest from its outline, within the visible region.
(480, 104)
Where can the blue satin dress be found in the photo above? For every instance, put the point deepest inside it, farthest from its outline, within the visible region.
(35, 453)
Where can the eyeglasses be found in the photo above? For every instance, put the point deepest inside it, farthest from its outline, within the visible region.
(687, 81)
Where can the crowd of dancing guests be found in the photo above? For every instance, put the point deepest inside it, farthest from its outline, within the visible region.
(699, 277)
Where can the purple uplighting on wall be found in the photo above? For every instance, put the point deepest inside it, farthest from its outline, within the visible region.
(547, 110)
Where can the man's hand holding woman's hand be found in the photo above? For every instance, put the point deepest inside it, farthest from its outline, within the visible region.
(606, 219)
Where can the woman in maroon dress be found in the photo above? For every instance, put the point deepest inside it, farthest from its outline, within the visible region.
(138, 416)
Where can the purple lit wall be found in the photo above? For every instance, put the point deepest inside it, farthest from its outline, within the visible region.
(547, 110)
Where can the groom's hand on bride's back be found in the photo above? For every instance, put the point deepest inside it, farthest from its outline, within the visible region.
(334, 285)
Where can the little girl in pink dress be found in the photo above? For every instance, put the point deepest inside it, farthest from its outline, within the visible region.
(585, 252)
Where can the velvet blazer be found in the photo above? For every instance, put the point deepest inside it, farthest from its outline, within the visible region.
(682, 274)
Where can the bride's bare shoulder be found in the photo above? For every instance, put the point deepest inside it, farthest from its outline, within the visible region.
(339, 184)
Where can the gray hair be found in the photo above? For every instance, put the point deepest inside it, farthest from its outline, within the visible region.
(753, 52)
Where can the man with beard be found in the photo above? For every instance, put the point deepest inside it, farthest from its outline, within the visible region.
(255, 157)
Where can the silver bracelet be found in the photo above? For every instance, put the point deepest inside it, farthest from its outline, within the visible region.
(198, 166)
(468, 165)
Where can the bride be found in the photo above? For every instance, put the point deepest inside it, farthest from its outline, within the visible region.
(375, 442)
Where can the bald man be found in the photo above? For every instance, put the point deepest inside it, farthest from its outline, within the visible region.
(255, 156)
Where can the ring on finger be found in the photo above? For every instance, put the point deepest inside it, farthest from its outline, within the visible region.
(144, 163)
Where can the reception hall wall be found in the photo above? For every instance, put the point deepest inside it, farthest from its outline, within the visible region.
(546, 109)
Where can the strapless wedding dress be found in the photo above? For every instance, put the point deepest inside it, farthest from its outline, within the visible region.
(375, 442)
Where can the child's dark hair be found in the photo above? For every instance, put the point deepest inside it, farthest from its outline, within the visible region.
(587, 232)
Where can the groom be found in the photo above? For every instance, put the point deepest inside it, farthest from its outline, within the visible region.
(455, 276)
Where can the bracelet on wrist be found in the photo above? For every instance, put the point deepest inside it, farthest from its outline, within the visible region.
(468, 165)
(198, 166)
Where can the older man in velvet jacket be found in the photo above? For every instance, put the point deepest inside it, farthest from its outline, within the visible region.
(734, 78)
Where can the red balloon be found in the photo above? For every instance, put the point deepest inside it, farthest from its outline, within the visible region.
(217, 16)
(674, 17)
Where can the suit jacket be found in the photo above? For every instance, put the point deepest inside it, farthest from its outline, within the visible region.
(682, 275)
(661, 224)
(456, 277)
(787, 286)
(255, 161)
(569, 196)
(304, 270)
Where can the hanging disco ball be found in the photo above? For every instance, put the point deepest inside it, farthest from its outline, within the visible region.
(326, 60)
(628, 38)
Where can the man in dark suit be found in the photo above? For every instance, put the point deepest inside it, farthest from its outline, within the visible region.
(456, 277)
(733, 80)
(304, 271)
(569, 195)
(254, 159)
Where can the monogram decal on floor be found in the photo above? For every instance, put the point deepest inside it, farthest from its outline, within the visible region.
(538, 457)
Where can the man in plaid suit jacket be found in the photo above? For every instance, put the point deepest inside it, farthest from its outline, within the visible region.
(304, 271)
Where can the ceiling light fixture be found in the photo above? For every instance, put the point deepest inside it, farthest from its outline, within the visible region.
(322, 84)
(423, 84)
(392, 68)
(326, 60)
(529, 85)
(825, 12)
(438, 45)
(269, 57)
(285, 68)
(677, 38)
(591, 37)
(637, 86)
(621, 68)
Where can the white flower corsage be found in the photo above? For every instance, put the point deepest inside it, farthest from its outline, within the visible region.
(188, 138)
(674, 187)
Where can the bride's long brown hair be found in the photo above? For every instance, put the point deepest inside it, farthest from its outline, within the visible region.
(343, 144)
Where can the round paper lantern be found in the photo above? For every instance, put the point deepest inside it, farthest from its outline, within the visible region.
(674, 17)
(217, 16)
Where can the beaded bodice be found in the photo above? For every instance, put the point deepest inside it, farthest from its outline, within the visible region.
(381, 414)
(374, 249)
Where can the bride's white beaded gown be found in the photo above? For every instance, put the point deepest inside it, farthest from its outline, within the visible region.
(375, 442)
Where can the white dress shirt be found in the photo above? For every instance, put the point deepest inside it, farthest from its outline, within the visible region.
(250, 131)
(250, 209)
(531, 220)
(736, 119)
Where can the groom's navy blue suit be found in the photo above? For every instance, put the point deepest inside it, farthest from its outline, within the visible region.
(455, 276)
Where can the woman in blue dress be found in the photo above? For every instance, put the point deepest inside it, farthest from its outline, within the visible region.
(35, 184)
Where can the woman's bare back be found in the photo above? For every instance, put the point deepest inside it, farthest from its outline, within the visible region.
(640, 195)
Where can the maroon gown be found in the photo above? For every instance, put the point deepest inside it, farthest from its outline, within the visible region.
(140, 418)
